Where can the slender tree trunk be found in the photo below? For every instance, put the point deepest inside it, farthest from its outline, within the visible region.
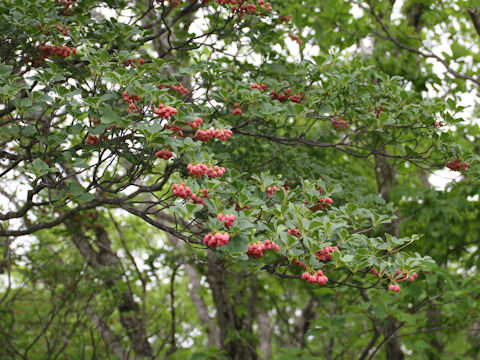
(213, 335)
(130, 317)
(264, 334)
(303, 323)
(386, 180)
(235, 330)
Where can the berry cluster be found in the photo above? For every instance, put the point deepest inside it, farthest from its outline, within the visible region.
(324, 255)
(202, 169)
(226, 219)
(92, 140)
(216, 240)
(179, 88)
(322, 203)
(318, 278)
(299, 263)
(456, 165)
(287, 94)
(164, 154)
(326, 200)
(165, 112)
(296, 39)
(199, 198)
(260, 87)
(265, 5)
(294, 232)
(174, 128)
(207, 135)
(295, 98)
(130, 99)
(62, 30)
(195, 123)
(403, 276)
(398, 277)
(181, 190)
(50, 50)
(237, 110)
(204, 135)
(395, 288)
(339, 124)
(241, 9)
(271, 190)
(222, 134)
(132, 62)
(256, 249)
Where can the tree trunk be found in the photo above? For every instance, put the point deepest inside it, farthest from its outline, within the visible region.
(302, 324)
(264, 334)
(130, 317)
(234, 330)
(386, 180)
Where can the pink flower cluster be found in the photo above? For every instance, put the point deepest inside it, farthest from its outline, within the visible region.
(195, 123)
(216, 240)
(164, 154)
(241, 9)
(179, 88)
(395, 288)
(165, 111)
(324, 254)
(339, 124)
(402, 276)
(299, 263)
(181, 190)
(395, 279)
(318, 278)
(199, 198)
(226, 219)
(236, 110)
(202, 169)
(62, 51)
(294, 232)
(131, 62)
(286, 94)
(456, 165)
(272, 190)
(257, 248)
(207, 135)
(322, 203)
(260, 87)
(130, 99)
